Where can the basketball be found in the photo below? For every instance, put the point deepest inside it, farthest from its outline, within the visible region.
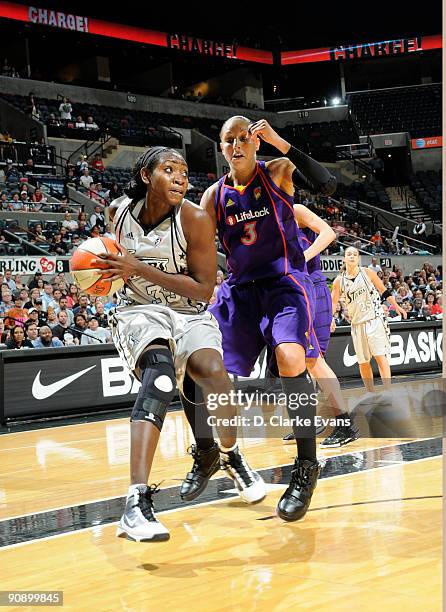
(89, 278)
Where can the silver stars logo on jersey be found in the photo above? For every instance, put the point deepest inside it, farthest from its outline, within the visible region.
(164, 247)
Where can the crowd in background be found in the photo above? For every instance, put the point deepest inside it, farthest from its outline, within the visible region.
(49, 313)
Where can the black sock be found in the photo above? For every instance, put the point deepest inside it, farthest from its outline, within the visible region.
(303, 406)
(197, 414)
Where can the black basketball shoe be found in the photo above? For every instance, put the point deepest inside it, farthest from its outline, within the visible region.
(206, 464)
(342, 434)
(295, 502)
(249, 484)
(289, 438)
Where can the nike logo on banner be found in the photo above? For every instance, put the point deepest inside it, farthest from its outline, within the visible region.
(41, 392)
(349, 360)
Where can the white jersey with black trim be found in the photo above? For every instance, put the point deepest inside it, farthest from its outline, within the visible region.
(362, 299)
(163, 246)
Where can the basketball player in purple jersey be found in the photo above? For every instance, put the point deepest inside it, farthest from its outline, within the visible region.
(268, 298)
(345, 431)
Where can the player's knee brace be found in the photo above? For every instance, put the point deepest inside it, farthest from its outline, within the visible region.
(158, 385)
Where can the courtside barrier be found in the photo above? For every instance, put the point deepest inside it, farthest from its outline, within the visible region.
(55, 382)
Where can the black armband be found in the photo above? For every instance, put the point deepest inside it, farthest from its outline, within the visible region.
(385, 295)
(311, 174)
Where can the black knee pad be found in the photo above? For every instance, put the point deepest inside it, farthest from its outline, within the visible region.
(158, 385)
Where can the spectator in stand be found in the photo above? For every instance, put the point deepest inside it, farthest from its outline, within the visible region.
(41, 286)
(31, 331)
(80, 123)
(113, 193)
(98, 164)
(42, 316)
(34, 296)
(95, 231)
(101, 335)
(65, 110)
(82, 216)
(15, 203)
(6, 300)
(57, 294)
(83, 307)
(63, 307)
(73, 296)
(418, 306)
(62, 325)
(24, 201)
(100, 192)
(83, 230)
(419, 230)
(34, 282)
(46, 340)
(4, 334)
(38, 196)
(81, 164)
(31, 108)
(47, 296)
(57, 246)
(38, 236)
(19, 283)
(52, 319)
(429, 298)
(97, 218)
(75, 242)
(108, 231)
(80, 326)
(53, 121)
(91, 124)
(437, 308)
(86, 180)
(112, 303)
(72, 179)
(99, 313)
(17, 315)
(8, 280)
(17, 339)
(29, 166)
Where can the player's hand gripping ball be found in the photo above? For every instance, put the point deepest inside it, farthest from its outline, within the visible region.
(90, 275)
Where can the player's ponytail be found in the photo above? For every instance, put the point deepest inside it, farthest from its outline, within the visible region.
(136, 189)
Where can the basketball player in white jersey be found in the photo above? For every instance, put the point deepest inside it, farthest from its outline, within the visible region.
(161, 327)
(364, 292)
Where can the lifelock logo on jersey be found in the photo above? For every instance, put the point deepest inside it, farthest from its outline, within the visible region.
(247, 216)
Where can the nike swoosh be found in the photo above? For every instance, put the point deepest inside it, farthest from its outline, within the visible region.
(349, 360)
(41, 392)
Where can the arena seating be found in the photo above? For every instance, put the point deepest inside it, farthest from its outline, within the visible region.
(415, 109)
(147, 128)
(371, 192)
(427, 187)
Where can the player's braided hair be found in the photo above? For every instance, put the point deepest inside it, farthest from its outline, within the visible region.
(136, 189)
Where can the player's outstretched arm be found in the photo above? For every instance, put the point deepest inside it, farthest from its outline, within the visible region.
(385, 293)
(201, 254)
(303, 170)
(326, 235)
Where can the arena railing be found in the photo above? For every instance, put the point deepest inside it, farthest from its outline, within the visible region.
(389, 216)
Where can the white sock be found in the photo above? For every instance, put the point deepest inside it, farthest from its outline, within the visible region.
(227, 450)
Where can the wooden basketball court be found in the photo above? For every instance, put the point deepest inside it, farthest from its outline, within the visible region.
(371, 540)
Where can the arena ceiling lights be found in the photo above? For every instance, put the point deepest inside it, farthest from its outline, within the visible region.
(211, 48)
